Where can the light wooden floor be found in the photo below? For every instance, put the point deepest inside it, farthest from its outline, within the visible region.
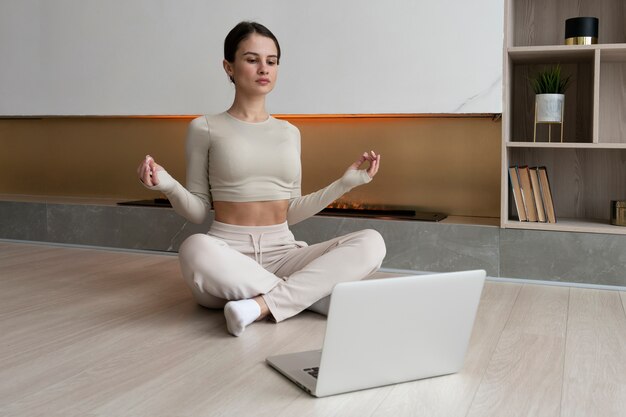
(97, 333)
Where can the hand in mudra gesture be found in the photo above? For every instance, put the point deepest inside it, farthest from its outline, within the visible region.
(372, 158)
(147, 171)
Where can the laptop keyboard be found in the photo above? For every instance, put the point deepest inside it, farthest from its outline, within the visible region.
(312, 371)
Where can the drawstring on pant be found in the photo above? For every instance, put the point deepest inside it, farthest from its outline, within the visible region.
(258, 248)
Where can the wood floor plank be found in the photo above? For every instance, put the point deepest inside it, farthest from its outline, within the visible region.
(52, 378)
(354, 404)
(451, 395)
(41, 291)
(46, 363)
(48, 318)
(175, 373)
(23, 259)
(59, 272)
(248, 386)
(595, 362)
(525, 374)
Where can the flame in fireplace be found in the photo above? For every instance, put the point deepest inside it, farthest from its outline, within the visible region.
(362, 209)
(347, 204)
(357, 205)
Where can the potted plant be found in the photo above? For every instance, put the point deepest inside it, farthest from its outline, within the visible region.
(549, 86)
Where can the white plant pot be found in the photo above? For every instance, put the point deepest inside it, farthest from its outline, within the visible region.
(549, 108)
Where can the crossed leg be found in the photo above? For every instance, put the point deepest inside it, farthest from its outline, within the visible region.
(216, 274)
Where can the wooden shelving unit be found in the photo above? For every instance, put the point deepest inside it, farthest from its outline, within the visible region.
(588, 169)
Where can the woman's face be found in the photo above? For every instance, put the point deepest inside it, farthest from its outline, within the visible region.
(256, 65)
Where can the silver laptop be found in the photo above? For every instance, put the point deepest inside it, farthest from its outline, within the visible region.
(390, 330)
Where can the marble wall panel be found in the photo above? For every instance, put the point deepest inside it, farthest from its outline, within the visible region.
(145, 228)
(23, 221)
(179, 234)
(422, 246)
(563, 256)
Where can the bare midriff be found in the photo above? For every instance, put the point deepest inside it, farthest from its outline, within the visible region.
(253, 213)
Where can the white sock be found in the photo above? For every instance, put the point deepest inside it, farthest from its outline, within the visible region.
(239, 314)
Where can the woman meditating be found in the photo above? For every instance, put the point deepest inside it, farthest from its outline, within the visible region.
(245, 164)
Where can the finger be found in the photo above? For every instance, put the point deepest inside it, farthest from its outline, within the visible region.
(154, 176)
(154, 167)
(361, 159)
(148, 175)
(374, 168)
(356, 164)
(145, 177)
(150, 162)
(147, 169)
(143, 164)
(141, 169)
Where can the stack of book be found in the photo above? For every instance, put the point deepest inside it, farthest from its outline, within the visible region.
(532, 194)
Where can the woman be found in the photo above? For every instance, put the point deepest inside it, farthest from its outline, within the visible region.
(245, 164)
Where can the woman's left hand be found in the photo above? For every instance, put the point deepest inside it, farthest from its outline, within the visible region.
(373, 159)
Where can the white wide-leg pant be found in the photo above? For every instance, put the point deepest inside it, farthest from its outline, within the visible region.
(235, 262)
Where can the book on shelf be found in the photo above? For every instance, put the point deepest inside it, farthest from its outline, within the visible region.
(534, 182)
(527, 193)
(532, 194)
(517, 194)
(546, 194)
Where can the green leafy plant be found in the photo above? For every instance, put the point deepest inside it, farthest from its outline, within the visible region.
(550, 81)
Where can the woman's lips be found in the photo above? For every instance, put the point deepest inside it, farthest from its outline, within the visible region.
(263, 81)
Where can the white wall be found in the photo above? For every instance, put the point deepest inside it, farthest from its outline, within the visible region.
(163, 57)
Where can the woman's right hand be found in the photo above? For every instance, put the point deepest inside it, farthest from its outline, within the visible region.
(147, 171)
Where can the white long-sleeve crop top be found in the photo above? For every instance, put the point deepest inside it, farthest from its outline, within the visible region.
(232, 160)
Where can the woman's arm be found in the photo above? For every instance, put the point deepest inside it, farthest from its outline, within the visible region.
(301, 208)
(192, 204)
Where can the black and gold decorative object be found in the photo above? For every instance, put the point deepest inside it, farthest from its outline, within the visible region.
(618, 213)
(581, 31)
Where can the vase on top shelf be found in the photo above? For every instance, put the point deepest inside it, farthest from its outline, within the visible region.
(581, 30)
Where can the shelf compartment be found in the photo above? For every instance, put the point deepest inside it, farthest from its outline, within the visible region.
(537, 23)
(583, 181)
(578, 113)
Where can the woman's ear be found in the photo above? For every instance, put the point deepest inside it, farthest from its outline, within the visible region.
(228, 67)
